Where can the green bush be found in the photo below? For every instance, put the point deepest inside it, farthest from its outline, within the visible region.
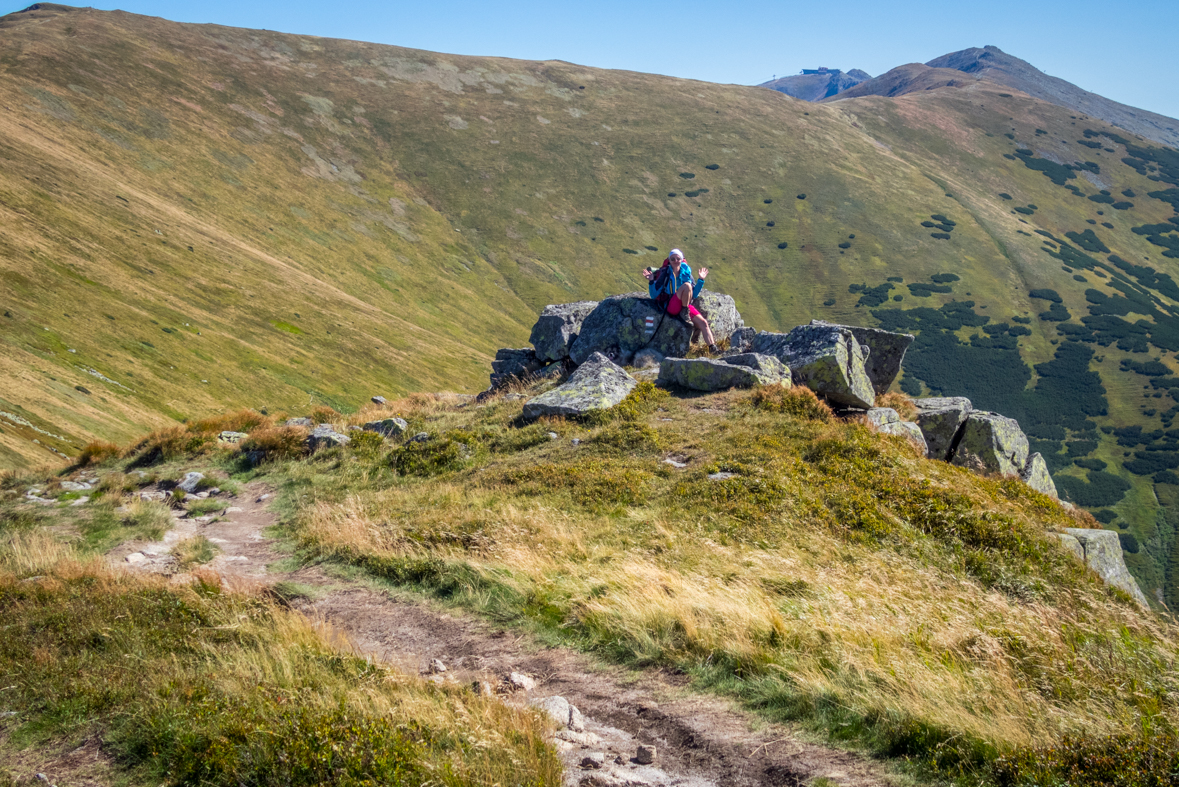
(447, 453)
(1123, 760)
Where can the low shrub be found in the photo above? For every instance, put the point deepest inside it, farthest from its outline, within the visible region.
(276, 442)
(194, 551)
(435, 456)
(799, 401)
(239, 421)
(366, 443)
(96, 452)
(903, 403)
(324, 415)
(168, 444)
(1123, 760)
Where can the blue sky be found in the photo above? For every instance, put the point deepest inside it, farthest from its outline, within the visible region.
(1089, 43)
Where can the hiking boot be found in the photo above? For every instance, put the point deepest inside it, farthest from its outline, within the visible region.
(684, 317)
(713, 349)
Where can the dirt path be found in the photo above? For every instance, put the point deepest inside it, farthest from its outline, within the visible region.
(698, 740)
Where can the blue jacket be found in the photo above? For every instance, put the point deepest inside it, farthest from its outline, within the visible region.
(681, 276)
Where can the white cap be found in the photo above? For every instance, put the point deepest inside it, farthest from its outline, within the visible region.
(676, 253)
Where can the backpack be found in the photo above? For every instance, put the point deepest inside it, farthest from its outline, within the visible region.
(665, 286)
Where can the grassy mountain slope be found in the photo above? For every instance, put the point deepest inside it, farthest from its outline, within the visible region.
(199, 217)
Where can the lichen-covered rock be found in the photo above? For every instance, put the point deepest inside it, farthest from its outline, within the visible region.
(827, 359)
(886, 351)
(1036, 475)
(597, 384)
(303, 421)
(323, 436)
(558, 327)
(706, 374)
(721, 313)
(991, 443)
(765, 364)
(622, 325)
(1103, 554)
(388, 427)
(887, 420)
(940, 418)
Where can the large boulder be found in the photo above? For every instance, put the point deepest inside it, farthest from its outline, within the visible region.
(388, 427)
(721, 313)
(940, 419)
(825, 358)
(991, 443)
(1103, 554)
(622, 325)
(706, 374)
(1035, 474)
(596, 385)
(742, 340)
(889, 421)
(886, 350)
(558, 327)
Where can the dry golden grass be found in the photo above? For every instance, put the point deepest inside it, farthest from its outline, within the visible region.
(780, 602)
(901, 402)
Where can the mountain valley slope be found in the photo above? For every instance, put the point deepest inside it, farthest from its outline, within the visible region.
(198, 218)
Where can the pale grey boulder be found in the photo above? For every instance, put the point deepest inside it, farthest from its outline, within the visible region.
(765, 364)
(991, 443)
(889, 421)
(324, 436)
(721, 313)
(1103, 554)
(303, 421)
(622, 325)
(597, 384)
(229, 436)
(886, 351)
(706, 374)
(940, 418)
(387, 427)
(189, 484)
(1072, 545)
(826, 359)
(558, 327)
(1035, 474)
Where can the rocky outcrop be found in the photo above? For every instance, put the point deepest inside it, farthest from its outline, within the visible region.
(1035, 474)
(742, 340)
(1102, 551)
(886, 351)
(826, 359)
(887, 420)
(596, 385)
(940, 418)
(558, 327)
(622, 325)
(991, 443)
(739, 371)
(512, 364)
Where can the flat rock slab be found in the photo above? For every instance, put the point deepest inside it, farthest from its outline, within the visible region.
(558, 327)
(597, 384)
(825, 358)
(886, 351)
(1035, 474)
(706, 374)
(940, 418)
(991, 443)
(1103, 554)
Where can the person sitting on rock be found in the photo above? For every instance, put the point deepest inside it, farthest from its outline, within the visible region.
(675, 292)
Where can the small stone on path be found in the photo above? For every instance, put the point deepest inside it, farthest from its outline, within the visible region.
(645, 755)
(593, 761)
(518, 680)
(378, 400)
(135, 557)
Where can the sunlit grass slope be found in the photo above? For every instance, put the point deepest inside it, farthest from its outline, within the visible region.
(831, 576)
(197, 685)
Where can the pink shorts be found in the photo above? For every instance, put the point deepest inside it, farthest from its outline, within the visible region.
(675, 306)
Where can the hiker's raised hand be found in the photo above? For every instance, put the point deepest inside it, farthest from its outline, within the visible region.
(648, 274)
(704, 273)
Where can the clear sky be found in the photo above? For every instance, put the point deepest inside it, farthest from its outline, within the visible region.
(1121, 50)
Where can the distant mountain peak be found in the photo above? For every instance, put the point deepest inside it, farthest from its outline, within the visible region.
(818, 83)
